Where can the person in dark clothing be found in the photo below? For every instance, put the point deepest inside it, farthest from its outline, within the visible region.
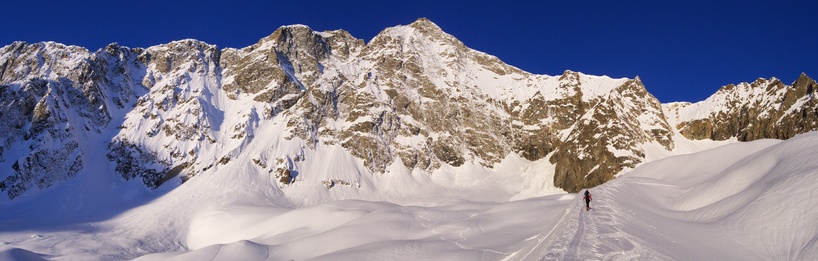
(587, 200)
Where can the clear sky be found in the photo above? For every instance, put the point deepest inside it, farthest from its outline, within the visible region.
(682, 50)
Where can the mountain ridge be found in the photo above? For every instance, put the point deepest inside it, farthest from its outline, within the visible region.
(414, 96)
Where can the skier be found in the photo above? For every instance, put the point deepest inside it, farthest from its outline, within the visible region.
(587, 200)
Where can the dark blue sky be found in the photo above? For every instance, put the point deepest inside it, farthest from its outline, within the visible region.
(681, 51)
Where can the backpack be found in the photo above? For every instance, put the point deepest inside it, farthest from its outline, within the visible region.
(587, 195)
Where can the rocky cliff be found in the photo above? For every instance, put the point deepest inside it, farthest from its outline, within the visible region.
(414, 96)
(765, 108)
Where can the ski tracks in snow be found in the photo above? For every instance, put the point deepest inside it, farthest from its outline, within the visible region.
(460, 241)
(591, 235)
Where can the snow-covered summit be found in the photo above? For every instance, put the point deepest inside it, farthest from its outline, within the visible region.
(414, 100)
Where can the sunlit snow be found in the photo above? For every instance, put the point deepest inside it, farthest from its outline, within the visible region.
(741, 201)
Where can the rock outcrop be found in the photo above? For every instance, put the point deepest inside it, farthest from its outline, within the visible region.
(749, 111)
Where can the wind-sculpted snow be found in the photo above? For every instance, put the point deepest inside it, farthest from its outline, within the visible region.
(742, 201)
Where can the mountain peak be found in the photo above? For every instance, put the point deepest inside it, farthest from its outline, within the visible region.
(424, 24)
(805, 84)
(421, 26)
(422, 31)
(804, 77)
(289, 30)
(182, 45)
(569, 76)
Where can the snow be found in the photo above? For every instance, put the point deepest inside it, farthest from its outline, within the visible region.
(617, 152)
(326, 34)
(18, 254)
(756, 199)
(739, 201)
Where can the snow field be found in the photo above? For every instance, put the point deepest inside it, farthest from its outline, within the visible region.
(741, 201)
(366, 230)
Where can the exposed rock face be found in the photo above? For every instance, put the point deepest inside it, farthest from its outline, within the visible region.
(608, 137)
(54, 96)
(750, 111)
(413, 96)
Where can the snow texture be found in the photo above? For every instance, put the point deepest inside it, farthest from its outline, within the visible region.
(741, 201)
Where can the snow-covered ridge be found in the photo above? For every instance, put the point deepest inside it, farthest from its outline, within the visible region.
(758, 91)
(764, 108)
(414, 100)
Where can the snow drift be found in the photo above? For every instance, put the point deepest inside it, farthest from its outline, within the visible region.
(742, 201)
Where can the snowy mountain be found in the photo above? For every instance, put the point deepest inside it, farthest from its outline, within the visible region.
(309, 110)
(318, 146)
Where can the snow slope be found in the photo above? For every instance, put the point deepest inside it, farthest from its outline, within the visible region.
(742, 201)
